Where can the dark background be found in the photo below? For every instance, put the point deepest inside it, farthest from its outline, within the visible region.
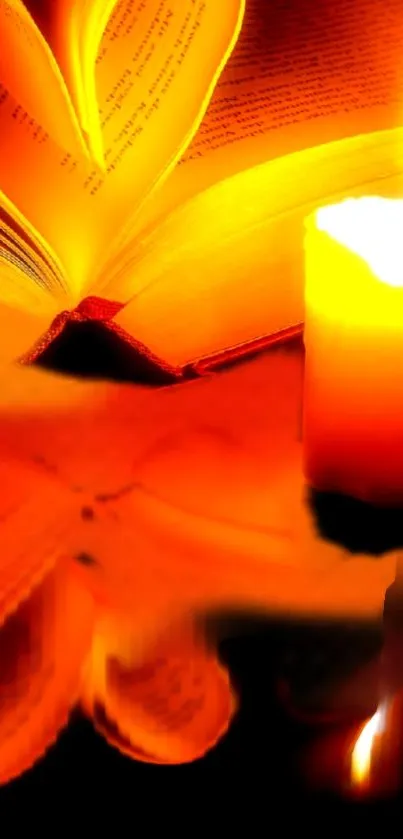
(260, 759)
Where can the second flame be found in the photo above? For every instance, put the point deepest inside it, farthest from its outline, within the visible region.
(362, 751)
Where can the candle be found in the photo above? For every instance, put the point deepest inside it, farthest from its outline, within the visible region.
(353, 393)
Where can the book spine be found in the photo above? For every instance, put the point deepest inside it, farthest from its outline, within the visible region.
(103, 311)
(249, 349)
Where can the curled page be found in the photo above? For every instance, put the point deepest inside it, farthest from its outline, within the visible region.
(43, 647)
(168, 703)
(30, 72)
(155, 73)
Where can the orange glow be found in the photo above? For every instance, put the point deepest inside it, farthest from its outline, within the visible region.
(158, 505)
(126, 113)
(363, 748)
(167, 703)
(371, 228)
(353, 434)
(27, 65)
(127, 513)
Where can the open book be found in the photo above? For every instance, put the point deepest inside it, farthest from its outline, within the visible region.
(157, 158)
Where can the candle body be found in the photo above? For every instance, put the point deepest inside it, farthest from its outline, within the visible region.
(353, 393)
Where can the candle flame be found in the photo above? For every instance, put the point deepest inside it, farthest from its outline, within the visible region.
(371, 228)
(362, 752)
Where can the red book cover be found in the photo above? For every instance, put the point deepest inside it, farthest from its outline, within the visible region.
(88, 342)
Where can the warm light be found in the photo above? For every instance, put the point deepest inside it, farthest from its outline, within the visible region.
(371, 228)
(353, 395)
(362, 752)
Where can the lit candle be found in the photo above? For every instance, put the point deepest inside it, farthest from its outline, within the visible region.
(353, 397)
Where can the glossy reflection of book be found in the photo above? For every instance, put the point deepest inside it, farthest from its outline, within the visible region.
(128, 515)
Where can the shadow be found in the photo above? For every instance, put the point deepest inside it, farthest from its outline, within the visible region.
(356, 525)
(91, 350)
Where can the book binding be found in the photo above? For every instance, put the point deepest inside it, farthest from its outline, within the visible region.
(143, 364)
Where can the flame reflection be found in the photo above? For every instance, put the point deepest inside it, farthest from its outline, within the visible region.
(362, 751)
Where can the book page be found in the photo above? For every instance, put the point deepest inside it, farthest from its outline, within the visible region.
(21, 328)
(227, 267)
(30, 72)
(157, 67)
(303, 73)
(29, 290)
(156, 70)
(74, 29)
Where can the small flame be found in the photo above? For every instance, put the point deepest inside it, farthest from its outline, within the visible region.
(362, 752)
(370, 227)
